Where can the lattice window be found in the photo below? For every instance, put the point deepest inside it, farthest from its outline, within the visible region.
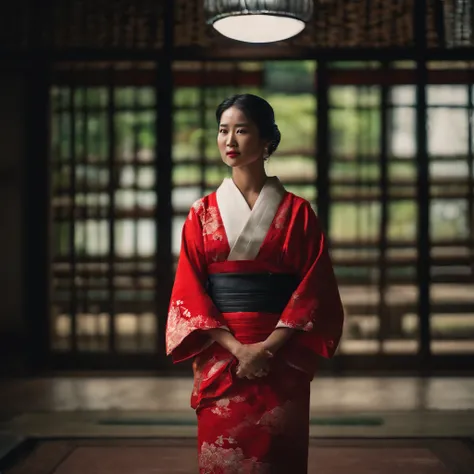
(104, 231)
(104, 204)
(450, 147)
(372, 228)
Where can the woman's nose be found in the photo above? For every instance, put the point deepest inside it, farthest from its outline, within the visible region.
(231, 139)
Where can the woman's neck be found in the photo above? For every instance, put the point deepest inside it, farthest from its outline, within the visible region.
(250, 181)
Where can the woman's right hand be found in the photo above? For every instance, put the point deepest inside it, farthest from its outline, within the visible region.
(253, 360)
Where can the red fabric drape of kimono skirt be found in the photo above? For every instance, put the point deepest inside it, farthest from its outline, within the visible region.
(254, 426)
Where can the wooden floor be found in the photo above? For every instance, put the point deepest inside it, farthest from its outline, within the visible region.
(109, 409)
(427, 456)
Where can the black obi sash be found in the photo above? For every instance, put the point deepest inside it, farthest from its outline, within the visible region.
(251, 292)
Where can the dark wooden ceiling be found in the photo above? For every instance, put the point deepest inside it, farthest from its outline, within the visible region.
(139, 25)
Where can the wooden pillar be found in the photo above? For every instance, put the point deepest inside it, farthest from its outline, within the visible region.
(36, 192)
(423, 186)
(323, 144)
(163, 162)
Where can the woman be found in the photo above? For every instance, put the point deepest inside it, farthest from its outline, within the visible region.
(254, 303)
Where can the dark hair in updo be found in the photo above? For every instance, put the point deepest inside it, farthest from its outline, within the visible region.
(257, 110)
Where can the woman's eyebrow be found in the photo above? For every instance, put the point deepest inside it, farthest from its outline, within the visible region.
(237, 124)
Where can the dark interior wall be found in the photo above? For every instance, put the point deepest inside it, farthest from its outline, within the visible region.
(12, 154)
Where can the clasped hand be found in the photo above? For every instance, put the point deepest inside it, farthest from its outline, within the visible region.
(253, 361)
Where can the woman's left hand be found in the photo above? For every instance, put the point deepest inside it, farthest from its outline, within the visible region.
(254, 363)
(252, 374)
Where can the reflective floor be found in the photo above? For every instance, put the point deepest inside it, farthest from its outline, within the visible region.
(343, 394)
(342, 408)
(406, 405)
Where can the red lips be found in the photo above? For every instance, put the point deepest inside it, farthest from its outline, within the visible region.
(232, 154)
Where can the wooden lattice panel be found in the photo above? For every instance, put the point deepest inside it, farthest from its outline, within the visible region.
(335, 24)
(107, 24)
(360, 24)
(138, 25)
(459, 22)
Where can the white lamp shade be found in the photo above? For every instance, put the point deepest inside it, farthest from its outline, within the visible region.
(258, 21)
(259, 28)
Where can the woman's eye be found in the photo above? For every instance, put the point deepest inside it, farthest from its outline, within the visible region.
(222, 130)
(241, 131)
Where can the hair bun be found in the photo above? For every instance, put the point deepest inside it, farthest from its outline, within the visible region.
(276, 137)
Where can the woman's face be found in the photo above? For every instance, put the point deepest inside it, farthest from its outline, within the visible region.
(238, 139)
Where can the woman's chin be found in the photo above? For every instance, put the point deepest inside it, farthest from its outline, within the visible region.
(239, 162)
(233, 162)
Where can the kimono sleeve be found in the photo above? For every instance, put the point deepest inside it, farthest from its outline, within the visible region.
(315, 308)
(191, 310)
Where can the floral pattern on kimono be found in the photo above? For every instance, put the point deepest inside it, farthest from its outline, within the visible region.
(214, 459)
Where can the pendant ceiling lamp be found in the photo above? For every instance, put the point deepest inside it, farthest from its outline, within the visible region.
(258, 21)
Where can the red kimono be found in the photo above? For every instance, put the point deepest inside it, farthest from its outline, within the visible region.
(261, 425)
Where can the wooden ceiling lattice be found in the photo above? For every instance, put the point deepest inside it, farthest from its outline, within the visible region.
(458, 22)
(107, 24)
(335, 24)
(137, 25)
